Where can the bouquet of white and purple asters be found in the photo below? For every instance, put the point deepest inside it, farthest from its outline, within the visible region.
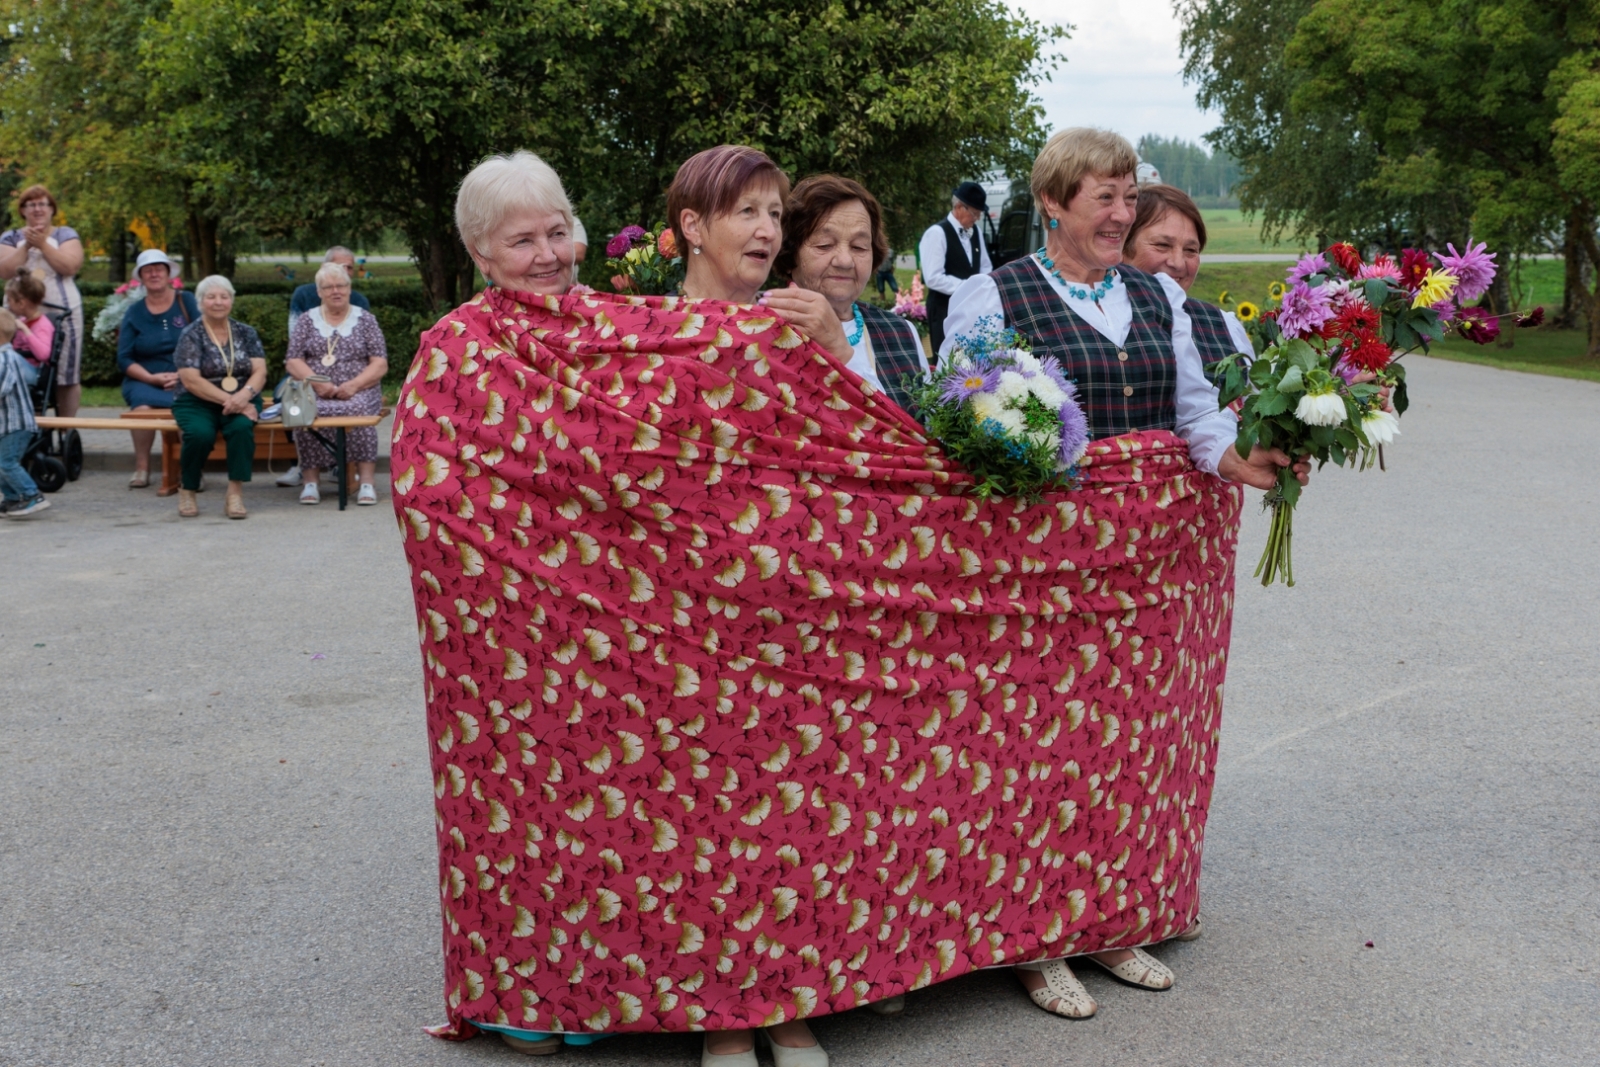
(1007, 416)
(1329, 384)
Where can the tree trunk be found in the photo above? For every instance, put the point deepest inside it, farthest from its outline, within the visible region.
(446, 269)
(1501, 304)
(1572, 283)
(119, 257)
(200, 259)
(1591, 298)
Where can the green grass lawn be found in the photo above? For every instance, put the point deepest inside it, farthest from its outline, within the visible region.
(1560, 353)
(1229, 230)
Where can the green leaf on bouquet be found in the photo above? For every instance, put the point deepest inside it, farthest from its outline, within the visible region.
(1301, 354)
(1271, 402)
(1348, 438)
(1293, 381)
(1336, 452)
(1289, 486)
(1376, 291)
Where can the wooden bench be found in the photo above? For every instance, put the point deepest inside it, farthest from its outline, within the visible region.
(269, 434)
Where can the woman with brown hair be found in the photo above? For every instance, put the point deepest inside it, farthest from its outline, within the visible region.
(1167, 236)
(832, 243)
(54, 255)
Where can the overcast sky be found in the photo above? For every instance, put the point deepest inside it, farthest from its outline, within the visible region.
(1122, 69)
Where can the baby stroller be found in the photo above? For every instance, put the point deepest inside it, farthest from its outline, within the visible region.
(56, 456)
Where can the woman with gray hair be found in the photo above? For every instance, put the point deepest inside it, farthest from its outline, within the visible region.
(221, 369)
(342, 346)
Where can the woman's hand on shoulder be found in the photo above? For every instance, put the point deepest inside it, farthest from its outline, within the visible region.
(811, 312)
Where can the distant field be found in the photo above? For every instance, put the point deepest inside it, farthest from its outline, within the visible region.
(1228, 230)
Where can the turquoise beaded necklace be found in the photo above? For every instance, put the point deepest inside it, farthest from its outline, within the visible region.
(861, 326)
(1078, 292)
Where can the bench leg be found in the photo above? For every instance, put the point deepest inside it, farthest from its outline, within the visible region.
(170, 444)
(340, 465)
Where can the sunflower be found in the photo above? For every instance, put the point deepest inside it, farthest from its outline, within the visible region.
(1222, 298)
(1247, 311)
(1276, 290)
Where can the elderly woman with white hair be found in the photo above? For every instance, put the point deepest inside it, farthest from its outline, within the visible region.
(221, 369)
(517, 223)
(342, 343)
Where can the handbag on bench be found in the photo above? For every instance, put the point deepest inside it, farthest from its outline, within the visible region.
(300, 402)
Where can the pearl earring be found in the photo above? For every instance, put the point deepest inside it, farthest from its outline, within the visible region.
(1054, 224)
(695, 250)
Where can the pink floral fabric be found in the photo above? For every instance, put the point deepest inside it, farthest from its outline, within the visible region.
(742, 710)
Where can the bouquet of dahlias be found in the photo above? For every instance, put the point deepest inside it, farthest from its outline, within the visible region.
(1007, 416)
(645, 263)
(911, 303)
(1323, 385)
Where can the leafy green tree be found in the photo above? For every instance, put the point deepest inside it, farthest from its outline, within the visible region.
(354, 114)
(1209, 177)
(1404, 121)
(73, 115)
(907, 96)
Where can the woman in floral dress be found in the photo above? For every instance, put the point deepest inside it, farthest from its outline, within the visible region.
(344, 344)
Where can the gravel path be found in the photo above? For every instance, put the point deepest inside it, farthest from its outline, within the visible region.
(217, 837)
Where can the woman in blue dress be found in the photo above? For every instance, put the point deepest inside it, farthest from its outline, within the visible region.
(145, 343)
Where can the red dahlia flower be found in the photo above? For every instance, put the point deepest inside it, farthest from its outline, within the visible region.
(1532, 318)
(1344, 254)
(1366, 351)
(1414, 266)
(1478, 326)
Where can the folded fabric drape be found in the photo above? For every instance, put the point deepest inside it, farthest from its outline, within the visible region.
(743, 709)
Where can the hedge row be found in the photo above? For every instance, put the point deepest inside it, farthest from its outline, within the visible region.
(402, 324)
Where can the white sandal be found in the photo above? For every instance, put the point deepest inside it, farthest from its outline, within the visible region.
(812, 1055)
(1062, 988)
(1191, 934)
(367, 494)
(310, 494)
(1144, 971)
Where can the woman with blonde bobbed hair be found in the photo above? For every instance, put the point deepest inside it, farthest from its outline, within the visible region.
(1127, 342)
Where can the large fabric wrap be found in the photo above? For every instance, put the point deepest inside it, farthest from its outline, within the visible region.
(742, 708)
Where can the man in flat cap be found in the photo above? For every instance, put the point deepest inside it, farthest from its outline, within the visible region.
(952, 251)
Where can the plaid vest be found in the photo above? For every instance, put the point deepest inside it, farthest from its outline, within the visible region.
(1122, 390)
(893, 355)
(1211, 335)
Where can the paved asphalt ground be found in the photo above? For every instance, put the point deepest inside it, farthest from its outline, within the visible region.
(216, 842)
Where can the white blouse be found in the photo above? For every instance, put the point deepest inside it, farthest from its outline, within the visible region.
(863, 363)
(1199, 421)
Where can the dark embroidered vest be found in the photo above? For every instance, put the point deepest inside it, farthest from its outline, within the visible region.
(1122, 390)
(893, 355)
(1211, 335)
(960, 261)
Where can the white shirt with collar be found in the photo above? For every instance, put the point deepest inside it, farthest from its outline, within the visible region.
(932, 250)
(1199, 422)
(865, 364)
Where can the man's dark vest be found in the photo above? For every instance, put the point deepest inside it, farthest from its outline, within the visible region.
(959, 262)
(1122, 390)
(1211, 335)
(893, 355)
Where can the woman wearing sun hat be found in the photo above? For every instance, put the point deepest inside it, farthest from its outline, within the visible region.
(1167, 236)
(146, 341)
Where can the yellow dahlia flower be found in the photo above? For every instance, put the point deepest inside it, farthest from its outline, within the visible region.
(1436, 285)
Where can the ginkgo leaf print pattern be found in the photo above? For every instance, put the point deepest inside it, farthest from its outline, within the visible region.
(740, 710)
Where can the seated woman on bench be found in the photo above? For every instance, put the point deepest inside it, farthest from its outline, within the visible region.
(221, 369)
(344, 344)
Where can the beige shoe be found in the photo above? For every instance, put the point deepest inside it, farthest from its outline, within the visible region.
(545, 1046)
(729, 1059)
(888, 1006)
(1191, 934)
(233, 505)
(188, 506)
(1143, 971)
(1062, 993)
(812, 1055)
(140, 480)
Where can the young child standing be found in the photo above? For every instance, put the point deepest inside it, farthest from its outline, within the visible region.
(35, 332)
(21, 495)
